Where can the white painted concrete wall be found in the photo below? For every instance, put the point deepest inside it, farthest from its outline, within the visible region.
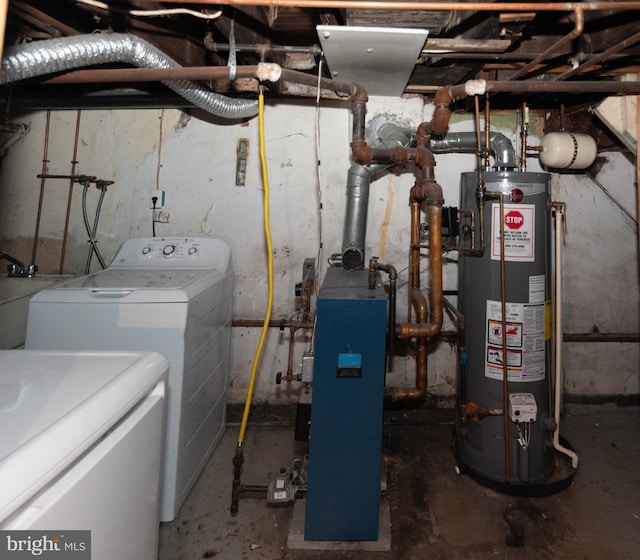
(198, 174)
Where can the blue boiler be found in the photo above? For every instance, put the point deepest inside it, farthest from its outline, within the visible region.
(345, 445)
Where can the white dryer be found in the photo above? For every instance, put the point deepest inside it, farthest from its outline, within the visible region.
(81, 441)
(171, 295)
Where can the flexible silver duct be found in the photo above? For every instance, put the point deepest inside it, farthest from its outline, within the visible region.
(499, 145)
(38, 58)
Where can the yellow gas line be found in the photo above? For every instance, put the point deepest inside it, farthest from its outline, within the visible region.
(267, 233)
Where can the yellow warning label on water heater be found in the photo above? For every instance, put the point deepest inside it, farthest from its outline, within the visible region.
(548, 320)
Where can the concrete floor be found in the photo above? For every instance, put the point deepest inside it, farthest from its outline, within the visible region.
(435, 514)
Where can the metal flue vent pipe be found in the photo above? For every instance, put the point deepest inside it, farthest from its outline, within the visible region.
(355, 218)
(359, 176)
(499, 145)
(39, 58)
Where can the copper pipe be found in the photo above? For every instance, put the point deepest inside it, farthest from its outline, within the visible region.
(42, 177)
(274, 323)
(73, 178)
(575, 32)
(3, 23)
(487, 129)
(599, 58)
(524, 136)
(414, 253)
(422, 329)
(41, 19)
(267, 72)
(476, 103)
(535, 86)
(74, 164)
(289, 374)
(482, 87)
(422, 6)
(505, 358)
(113, 75)
(601, 337)
(430, 192)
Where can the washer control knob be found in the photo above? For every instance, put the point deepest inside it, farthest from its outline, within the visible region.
(193, 250)
(146, 250)
(168, 250)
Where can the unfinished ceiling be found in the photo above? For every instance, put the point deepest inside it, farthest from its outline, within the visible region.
(464, 40)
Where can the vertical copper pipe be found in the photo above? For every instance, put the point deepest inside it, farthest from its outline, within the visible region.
(414, 253)
(487, 130)
(505, 358)
(74, 163)
(4, 5)
(428, 317)
(43, 179)
(435, 268)
(524, 136)
(476, 101)
(292, 334)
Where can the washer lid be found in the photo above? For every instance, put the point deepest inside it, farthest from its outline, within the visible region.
(133, 285)
(55, 405)
(135, 279)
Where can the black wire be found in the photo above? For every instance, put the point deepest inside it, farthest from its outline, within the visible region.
(103, 264)
(86, 225)
(91, 232)
(153, 216)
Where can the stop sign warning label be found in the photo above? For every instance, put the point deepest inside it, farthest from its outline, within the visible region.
(519, 232)
(513, 219)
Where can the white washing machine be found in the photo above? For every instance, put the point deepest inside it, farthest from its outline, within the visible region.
(81, 437)
(170, 295)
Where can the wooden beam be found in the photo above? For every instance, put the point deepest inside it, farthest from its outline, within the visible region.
(433, 46)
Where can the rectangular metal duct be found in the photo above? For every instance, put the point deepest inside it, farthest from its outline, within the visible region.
(381, 59)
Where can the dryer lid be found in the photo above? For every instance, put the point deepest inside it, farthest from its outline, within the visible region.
(55, 405)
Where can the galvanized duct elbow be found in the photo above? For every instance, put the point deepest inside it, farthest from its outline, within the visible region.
(500, 146)
(68, 53)
(388, 135)
(355, 218)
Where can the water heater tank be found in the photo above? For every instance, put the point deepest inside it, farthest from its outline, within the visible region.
(480, 423)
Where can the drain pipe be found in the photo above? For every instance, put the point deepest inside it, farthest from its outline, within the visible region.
(559, 210)
(39, 58)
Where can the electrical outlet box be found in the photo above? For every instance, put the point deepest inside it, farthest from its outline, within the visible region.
(161, 200)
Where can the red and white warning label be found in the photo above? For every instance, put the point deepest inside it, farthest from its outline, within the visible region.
(519, 232)
(525, 341)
